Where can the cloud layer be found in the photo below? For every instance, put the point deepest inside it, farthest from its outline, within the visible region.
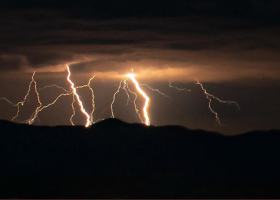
(184, 39)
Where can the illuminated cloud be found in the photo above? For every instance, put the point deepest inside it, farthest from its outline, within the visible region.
(46, 37)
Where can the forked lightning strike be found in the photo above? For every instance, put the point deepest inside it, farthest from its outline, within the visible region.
(209, 96)
(92, 96)
(134, 101)
(35, 114)
(147, 99)
(80, 103)
(68, 93)
(89, 117)
(25, 97)
(21, 103)
(30, 121)
(156, 90)
(125, 87)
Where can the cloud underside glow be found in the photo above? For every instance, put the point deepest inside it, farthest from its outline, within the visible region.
(162, 66)
(178, 48)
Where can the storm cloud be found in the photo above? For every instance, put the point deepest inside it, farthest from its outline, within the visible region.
(232, 36)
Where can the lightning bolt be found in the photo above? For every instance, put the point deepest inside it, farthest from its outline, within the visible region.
(80, 103)
(123, 84)
(114, 98)
(209, 96)
(30, 121)
(21, 103)
(143, 94)
(73, 110)
(35, 114)
(156, 90)
(181, 89)
(75, 95)
(53, 85)
(7, 100)
(38, 108)
(92, 96)
(126, 87)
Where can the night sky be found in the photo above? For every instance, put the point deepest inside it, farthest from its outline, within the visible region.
(231, 47)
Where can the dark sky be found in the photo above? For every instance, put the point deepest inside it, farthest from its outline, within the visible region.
(232, 47)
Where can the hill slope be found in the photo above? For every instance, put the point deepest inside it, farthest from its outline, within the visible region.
(113, 159)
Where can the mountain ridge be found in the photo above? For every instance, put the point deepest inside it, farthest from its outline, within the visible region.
(114, 159)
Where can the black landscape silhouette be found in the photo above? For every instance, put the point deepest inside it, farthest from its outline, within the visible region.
(114, 159)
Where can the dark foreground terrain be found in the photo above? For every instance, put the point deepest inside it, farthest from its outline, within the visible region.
(113, 159)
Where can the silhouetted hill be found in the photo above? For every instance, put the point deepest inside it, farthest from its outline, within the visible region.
(113, 159)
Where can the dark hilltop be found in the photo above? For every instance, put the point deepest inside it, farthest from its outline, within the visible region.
(113, 159)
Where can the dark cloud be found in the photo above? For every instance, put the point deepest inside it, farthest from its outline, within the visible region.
(48, 58)
(12, 62)
(106, 35)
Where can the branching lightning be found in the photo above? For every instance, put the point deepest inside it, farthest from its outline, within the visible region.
(134, 101)
(92, 96)
(147, 99)
(35, 114)
(156, 90)
(72, 92)
(209, 96)
(80, 103)
(125, 87)
(123, 84)
(30, 121)
(21, 103)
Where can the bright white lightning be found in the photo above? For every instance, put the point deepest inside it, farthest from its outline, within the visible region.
(127, 89)
(147, 99)
(92, 96)
(74, 90)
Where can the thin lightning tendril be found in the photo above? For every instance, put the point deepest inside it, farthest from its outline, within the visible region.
(114, 98)
(209, 96)
(73, 110)
(156, 90)
(7, 100)
(21, 103)
(30, 121)
(126, 91)
(35, 114)
(181, 89)
(53, 85)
